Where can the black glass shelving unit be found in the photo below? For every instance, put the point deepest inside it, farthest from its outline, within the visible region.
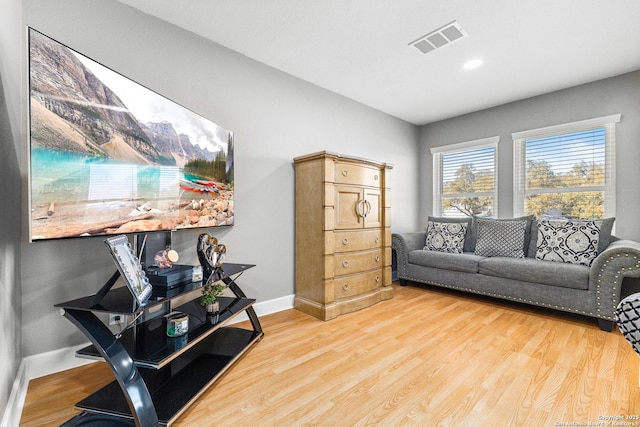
(158, 377)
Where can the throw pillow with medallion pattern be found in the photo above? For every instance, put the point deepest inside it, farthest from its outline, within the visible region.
(445, 236)
(573, 242)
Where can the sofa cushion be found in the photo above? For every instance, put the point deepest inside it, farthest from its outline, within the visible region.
(535, 271)
(502, 238)
(464, 220)
(445, 236)
(467, 262)
(573, 242)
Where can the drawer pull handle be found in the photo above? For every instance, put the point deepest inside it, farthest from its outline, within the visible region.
(377, 239)
(361, 208)
(345, 287)
(377, 278)
(375, 177)
(345, 264)
(345, 241)
(345, 172)
(377, 258)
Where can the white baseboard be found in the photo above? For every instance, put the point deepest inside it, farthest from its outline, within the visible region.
(54, 361)
(36, 366)
(13, 411)
(62, 359)
(268, 307)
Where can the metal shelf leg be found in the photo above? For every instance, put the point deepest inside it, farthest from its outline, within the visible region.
(121, 364)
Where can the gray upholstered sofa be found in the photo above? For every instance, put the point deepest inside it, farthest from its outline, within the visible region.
(593, 290)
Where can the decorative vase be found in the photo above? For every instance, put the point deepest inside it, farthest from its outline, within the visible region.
(213, 308)
(211, 254)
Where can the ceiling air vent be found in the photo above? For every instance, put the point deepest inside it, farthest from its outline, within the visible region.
(440, 37)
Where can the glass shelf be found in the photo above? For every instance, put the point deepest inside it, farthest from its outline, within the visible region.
(149, 345)
(120, 300)
(180, 382)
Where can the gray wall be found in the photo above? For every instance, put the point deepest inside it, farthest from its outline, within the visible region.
(10, 195)
(274, 116)
(619, 94)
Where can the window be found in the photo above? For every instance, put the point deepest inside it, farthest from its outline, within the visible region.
(566, 171)
(464, 177)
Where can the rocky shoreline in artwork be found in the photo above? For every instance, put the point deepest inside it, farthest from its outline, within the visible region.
(135, 217)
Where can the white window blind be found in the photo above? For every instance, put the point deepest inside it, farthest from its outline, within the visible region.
(465, 178)
(566, 171)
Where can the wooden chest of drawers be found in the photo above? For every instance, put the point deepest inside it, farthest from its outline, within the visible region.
(343, 234)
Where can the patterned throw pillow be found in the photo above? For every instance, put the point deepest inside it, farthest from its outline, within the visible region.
(501, 238)
(628, 319)
(573, 242)
(445, 236)
(466, 220)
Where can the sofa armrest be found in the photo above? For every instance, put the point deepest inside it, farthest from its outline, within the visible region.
(403, 244)
(621, 259)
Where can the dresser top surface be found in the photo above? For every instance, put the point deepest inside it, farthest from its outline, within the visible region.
(338, 157)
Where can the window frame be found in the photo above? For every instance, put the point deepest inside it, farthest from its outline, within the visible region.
(519, 161)
(439, 152)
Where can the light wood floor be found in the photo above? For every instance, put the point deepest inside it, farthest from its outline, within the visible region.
(426, 357)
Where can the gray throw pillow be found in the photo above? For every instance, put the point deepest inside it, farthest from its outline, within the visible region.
(472, 235)
(503, 238)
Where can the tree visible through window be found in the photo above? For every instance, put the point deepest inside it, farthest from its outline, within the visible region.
(565, 174)
(465, 178)
(467, 188)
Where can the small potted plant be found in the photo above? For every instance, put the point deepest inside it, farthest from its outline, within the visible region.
(210, 292)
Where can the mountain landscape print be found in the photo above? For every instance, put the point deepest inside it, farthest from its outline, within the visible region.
(109, 156)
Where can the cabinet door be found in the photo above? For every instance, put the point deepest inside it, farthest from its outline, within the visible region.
(348, 206)
(373, 208)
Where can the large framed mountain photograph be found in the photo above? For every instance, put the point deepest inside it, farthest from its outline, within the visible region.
(109, 156)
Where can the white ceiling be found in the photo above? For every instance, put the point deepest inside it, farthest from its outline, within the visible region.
(360, 48)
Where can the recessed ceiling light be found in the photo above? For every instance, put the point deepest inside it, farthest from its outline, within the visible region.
(474, 63)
